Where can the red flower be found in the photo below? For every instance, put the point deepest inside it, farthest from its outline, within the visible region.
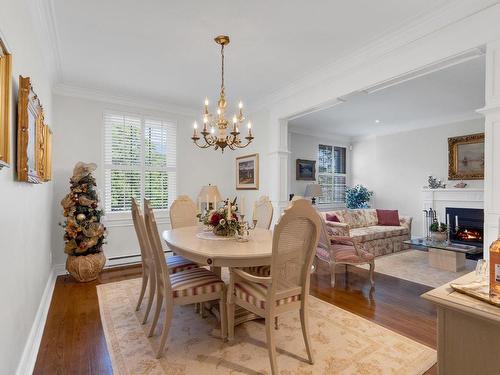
(214, 219)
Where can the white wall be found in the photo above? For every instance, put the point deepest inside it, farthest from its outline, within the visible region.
(304, 146)
(396, 166)
(79, 138)
(26, 209)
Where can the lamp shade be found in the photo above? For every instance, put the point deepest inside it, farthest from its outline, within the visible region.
(209, 193)
(313, 190)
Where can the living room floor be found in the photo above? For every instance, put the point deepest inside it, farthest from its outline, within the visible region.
(73, 341)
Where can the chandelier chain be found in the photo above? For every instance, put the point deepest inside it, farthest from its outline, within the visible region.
(222, 70)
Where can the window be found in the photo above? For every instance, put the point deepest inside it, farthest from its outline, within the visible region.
(139, 162)
(332, 173)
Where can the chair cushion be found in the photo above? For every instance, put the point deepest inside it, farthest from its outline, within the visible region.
(194, 282)
(258, 270)
(377, 232)
(322, 253)
(255, 294)
(176, 263)
(388, 217)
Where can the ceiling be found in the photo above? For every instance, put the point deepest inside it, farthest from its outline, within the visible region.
(447, 95)
(164, 50)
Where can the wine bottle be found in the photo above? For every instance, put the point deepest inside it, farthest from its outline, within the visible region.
(495, 270)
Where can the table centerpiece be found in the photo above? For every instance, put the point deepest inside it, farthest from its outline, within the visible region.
(223, 221)
(439, 231)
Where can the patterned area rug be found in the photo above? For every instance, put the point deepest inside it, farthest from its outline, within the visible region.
(412, 265)
(343, 343)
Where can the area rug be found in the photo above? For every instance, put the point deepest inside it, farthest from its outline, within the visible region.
(343, 343)
(412, 265)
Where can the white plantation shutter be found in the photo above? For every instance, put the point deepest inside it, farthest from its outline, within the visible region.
(140, 161)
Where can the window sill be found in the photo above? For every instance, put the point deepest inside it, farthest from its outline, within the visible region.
(330, 206)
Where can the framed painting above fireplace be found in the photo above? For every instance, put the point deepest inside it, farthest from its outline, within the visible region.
(466, 157)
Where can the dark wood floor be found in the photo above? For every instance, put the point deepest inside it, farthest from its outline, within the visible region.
(73, 341)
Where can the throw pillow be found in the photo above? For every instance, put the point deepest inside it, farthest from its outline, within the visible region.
(332, 217)
(388, 217)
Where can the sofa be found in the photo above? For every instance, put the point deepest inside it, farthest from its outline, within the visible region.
(363, 227)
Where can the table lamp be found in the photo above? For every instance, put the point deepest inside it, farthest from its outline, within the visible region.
(313, 191)
(210, 195)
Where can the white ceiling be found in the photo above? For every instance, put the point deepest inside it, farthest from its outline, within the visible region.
(444, 96)
(164, 50)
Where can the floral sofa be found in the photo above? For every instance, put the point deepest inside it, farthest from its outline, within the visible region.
(362, 226)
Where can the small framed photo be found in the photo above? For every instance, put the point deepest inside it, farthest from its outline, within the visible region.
(247, 172)
(466, 157)
(305, 170)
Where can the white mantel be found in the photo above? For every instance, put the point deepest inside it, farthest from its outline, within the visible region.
(439, 199)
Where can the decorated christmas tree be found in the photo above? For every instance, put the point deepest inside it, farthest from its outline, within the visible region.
(84, 232)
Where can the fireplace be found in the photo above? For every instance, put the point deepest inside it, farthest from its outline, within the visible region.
(470, 225)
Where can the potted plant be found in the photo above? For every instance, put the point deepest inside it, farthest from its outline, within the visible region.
(84, 233)
(357, 196)
(439, 231)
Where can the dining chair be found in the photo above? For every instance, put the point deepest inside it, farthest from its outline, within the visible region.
(174, 263)
(286, 288)
(335, 250)
(183, 212)
(262, 213)
(196, 285)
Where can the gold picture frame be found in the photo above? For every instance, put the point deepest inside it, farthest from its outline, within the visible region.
(29, 128)
(466, 157)
(5, 103)
(247, 172)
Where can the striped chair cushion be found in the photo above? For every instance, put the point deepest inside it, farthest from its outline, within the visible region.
(258, 270)
(176, 263)
(194, 282)
(255, 294)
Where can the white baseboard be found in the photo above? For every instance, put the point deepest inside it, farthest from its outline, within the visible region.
(30, 352)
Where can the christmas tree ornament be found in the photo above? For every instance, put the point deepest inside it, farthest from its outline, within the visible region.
(80, 217)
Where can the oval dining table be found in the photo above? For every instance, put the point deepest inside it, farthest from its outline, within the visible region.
(218, 253)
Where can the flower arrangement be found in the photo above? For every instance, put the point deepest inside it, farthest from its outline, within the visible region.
(438, 227)
(357, 197)
(223, 221)
(439, 231)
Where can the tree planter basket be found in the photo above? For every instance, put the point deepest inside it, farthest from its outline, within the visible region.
(85, 268)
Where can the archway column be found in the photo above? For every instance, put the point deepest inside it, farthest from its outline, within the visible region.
(491, 113)
(279, 162)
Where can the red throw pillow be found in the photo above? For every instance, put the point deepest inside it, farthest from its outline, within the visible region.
(332, 217)
(388, 217)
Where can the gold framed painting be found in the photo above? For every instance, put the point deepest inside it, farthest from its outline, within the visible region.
(247, 172)
(466, 157)
(29, 126)
(5, 100)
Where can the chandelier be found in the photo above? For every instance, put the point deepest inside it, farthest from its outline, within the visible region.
(215, 131)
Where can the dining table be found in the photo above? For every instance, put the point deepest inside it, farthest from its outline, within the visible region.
(201, 246)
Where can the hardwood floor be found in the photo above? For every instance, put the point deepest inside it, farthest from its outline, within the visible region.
(73, 341)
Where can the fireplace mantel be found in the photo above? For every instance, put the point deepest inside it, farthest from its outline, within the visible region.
(466, 198)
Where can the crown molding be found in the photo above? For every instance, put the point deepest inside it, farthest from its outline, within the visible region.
(44, 24)
(316, 133)
(380, 45)
(125, 100)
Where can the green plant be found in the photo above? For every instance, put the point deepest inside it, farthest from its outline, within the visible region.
(438, 227)
(357, 196)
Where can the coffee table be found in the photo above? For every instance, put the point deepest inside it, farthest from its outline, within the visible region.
(445, 255)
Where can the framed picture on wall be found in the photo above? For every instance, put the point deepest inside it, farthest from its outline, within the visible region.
(305, 170)
(30, 123)
(247, 172)
(5, 99)
(466, 157)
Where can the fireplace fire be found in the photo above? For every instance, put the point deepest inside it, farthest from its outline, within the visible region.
(466, 225)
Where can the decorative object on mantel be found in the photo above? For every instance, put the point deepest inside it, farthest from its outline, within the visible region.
(313, 191)
(5, 102)
(247, 172)
(466, 157)
(223, 221)
(357, 196)
(219, 123)
(84, 232)
(305, 170)
(460, 185)
(434, 183)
